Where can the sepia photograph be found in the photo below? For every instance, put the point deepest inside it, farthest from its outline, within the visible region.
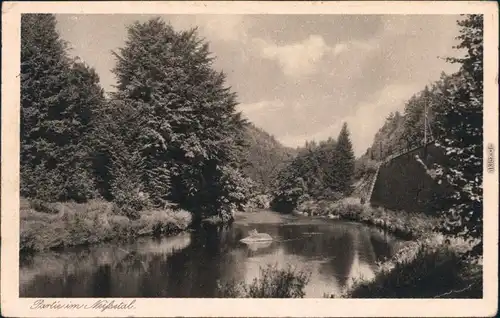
(249, 155)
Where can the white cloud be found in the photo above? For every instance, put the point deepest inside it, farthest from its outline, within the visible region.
(298, 58)
(365, 121)
(227, 27)
(339, 48)
(345, 47)
(302, 58)
(367, 45)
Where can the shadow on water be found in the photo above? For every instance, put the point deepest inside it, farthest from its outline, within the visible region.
(190, 264)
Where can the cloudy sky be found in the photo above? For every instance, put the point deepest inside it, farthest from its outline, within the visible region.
(300, 77)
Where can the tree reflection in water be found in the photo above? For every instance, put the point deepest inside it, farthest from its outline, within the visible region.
(190, 264)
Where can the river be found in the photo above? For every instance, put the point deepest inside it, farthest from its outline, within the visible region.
(191, 263)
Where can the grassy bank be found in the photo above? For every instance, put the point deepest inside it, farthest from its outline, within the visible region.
(55, 225)
(400, 223)
(431, 265)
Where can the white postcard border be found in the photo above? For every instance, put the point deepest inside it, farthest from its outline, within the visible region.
(12, 305)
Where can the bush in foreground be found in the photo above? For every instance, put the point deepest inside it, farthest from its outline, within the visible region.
(434, 267)
(432, 274)
(272, 283)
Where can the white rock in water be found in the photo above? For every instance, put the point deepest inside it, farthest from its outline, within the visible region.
(257, 237)
(254, 246)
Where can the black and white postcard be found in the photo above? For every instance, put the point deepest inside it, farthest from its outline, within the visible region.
(224, 159)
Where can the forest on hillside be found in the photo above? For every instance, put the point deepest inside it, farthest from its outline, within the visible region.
(416, 125)
(323, 170)
(265, 157)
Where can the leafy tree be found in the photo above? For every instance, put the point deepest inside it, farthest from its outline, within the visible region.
(326, 162)
(84, 104)
(119, 155)
(363, 166)
(460, 128)
(58, 101)
(190, 128)
(413, 124)
(290, 192)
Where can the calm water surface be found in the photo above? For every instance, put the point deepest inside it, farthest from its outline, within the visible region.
(190, 264)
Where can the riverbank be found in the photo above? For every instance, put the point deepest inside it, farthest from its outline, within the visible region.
(46, 226)
(409, 226)
(431, 265)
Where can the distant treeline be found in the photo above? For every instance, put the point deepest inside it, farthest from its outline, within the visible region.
(265, 158)
(402, 132)
(323, 170)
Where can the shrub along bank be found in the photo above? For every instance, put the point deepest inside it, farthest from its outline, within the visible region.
(57, 225)
(400, 223)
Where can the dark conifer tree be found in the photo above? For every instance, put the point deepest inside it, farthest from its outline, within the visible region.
(344, 161)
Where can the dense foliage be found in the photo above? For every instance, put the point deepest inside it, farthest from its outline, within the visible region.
(319, 171)
(460, 124)
(344, 163)
(191, 137)
(59, 99)
(424, 270)
(170, 132)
